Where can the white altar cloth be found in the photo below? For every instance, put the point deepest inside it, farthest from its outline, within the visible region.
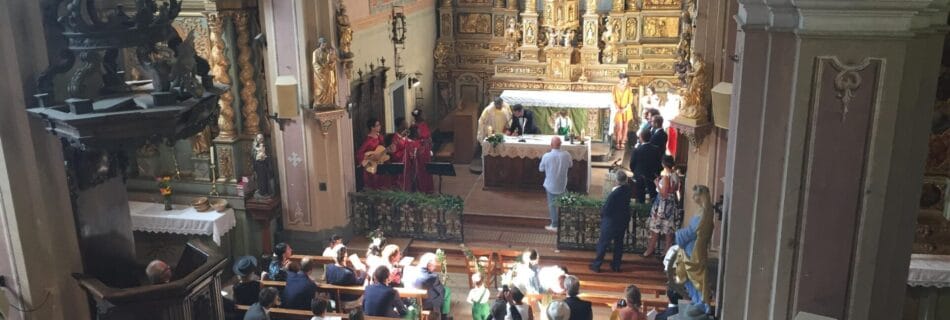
(534, 147)
(558, 99)
(929, 270)
(152, 217)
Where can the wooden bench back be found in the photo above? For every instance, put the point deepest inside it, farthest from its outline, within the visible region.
(416, 294)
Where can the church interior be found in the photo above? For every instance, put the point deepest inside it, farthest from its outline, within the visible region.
(475, 159)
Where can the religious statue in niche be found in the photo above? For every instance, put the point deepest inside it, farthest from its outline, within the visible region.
(324, 61)
(552, 38)
(529, 34)
(694, 95)
(611, 44)
(345, 30)
(589, 37)
(632, 29)
(263, 172)
(569, 38)
(512, 40)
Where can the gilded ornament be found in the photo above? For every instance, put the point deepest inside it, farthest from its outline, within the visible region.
(248, 83)
(324, 59)
(441, 54)
(693, 105)
(201, 142)
(345, 31)
(512, 40)
(631, 29)
(221, 70)
(611, 44)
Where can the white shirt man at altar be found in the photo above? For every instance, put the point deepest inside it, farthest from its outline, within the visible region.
(494, 118)
(555, 165)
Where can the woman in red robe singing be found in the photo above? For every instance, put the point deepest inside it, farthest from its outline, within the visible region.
(371, 180)
(400, 149)
(424, 152)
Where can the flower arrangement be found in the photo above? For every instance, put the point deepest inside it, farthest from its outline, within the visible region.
(495, 139)
(165, 188)
(377, 237)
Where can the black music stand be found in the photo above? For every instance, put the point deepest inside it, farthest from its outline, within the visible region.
(391, 169)
(440, 169)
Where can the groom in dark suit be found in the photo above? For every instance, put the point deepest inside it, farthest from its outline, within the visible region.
(522, 121)
(614, 218)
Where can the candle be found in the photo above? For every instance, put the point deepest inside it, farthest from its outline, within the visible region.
(212, 153)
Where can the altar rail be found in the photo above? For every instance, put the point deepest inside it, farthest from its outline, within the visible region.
(579, 227)
(411, 215)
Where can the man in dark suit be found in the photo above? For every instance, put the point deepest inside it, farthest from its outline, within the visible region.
(646, 165)
(659, 136)
(266, 299)
(522, 122)
(580, 309)
(301, 288)
(381, 300)
(614, 218)
(341, 274)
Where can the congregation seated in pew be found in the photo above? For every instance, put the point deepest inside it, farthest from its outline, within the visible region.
(380, 299)
(301, 287)
(342, 274)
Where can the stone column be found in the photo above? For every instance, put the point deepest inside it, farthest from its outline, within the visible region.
(825, 156)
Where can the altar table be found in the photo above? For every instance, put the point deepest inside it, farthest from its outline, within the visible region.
(152, 217)
(929, 270)
(514, 165)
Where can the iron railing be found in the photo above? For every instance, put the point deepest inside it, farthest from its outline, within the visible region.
(406, 216)
(579, 228)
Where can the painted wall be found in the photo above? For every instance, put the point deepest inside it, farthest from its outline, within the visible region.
(371, 41)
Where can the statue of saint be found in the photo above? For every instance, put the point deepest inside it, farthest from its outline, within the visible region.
(611, 41)
(324, 60)
(512, 38)
(693, 253)
(694, 106)
(346, 32)
(262, 168)
(552, 38)
(201, 142)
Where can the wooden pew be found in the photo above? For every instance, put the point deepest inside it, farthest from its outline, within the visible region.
(294, 314)
(415, 294)
(600, 299)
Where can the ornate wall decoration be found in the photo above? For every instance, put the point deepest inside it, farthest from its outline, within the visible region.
(475, 3)
(225, 162)
(658, 66)
(221, 71)
(660, 27)
(475, 23)
(199, 26)
(470, 46)
(519, 70)
(661, 4)
(846, 82)
(499, 26)
(659, 51)
(630, 32)
(247, 76)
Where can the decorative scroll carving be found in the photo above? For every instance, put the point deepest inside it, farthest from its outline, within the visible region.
(221, 68)
(661, 4)
(443, 54)
(846, 82)
(631, 31)
(247, 76)
(184, 25)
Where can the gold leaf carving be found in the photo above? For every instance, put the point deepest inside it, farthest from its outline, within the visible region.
(660, 27)
(220, 69)
(475, 23)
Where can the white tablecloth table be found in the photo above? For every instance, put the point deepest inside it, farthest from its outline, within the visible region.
(534, 147)
(152, 217)
(929, 270)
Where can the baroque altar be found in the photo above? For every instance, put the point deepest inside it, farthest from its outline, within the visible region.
(487, 47)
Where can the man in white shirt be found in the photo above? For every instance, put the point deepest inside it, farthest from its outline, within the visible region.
(555, 165)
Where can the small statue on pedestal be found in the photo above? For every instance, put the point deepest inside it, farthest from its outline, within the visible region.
(262, 168)
(512, 39)
(324, 59)
(694, 98)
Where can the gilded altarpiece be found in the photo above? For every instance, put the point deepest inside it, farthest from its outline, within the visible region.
(561, 45)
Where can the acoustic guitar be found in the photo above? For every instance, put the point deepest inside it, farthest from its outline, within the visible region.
(371, 159)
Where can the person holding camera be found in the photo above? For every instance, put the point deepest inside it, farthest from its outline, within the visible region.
(628, 308)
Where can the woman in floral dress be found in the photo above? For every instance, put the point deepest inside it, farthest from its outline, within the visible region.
(665, 207)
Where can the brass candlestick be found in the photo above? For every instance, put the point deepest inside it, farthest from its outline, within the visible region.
(175, 160)
(214, 176)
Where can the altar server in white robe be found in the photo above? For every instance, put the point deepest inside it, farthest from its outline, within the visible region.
(495, 118)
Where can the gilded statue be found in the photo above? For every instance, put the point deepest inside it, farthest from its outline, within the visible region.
(552, 38)
(201, 142)
(693, 254)
(441, 54)
(324, 61)
(611, 44)
(512, 40)
(346, 31)
(694, 97)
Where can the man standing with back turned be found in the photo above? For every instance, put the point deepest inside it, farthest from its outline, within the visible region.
(614, 218)
(555, 165)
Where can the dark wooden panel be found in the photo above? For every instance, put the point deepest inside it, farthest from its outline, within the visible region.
(523, 174)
